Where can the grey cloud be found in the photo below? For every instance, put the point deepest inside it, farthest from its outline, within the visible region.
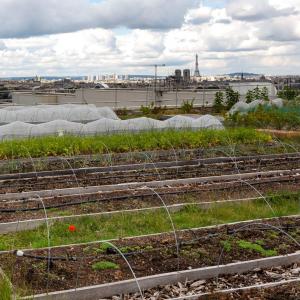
(223, 21)
(280, 30)
(256, 10)
(34, 17)
(2, 46)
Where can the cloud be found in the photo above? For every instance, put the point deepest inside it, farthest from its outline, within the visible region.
(158, 31)
(280, 29)
(256, 10)
(199, 15)
(35, 17)
(2, 46)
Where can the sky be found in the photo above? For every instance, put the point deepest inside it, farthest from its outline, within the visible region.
(82, 37)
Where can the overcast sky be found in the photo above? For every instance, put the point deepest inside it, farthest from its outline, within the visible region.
(81, 37)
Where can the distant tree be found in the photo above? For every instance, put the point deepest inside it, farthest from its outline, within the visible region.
(219, 102)
(232, 97)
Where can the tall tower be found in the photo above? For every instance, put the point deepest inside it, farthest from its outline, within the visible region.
(197, 72)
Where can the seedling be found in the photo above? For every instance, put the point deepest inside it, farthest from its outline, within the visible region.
(257, 248)
(105, 265)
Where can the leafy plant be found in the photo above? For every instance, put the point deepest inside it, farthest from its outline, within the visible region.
(226, 245)
(187, 106)
(152, 109)
(147, 110)
(105, 265)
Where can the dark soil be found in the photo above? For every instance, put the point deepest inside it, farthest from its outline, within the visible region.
(100, 202)
(147, 256)
(107, 178)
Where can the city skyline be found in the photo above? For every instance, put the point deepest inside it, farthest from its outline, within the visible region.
(128, 36)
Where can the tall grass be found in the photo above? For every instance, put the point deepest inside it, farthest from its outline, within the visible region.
(5, 289)
(153, 140)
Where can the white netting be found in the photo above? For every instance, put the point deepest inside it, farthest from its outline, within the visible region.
(179, 122)
(278, 102)
(48, 113)
(62, 127)
(208, 122)
(15, 130)
(57, 127)
(244, 108)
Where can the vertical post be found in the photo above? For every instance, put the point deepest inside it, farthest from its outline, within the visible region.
(155, 82)
(116, 98)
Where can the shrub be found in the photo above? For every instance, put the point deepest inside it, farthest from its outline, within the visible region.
(219, 102)
(288, 93)
(232, 97)
(187, 106)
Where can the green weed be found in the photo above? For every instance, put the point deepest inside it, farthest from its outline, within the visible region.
(105, 265)
(256, 247)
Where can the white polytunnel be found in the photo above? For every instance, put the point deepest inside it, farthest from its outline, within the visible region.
(48, 113)
(244, 108)
(72, 119)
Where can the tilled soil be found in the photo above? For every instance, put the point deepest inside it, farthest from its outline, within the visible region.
(106, 202)
(149, 255)
(116, 177)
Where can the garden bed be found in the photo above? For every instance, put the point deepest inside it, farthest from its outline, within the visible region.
(99, 263)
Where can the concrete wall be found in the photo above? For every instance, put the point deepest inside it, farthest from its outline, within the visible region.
(243, 88)
(33, 99)
(120, 98)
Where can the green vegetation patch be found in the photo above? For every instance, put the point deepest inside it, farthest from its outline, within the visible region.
(226, 246)
(287, 118)
(117, 143)
(5, 289)
(105, 265)
(257, 248)
(148, 222)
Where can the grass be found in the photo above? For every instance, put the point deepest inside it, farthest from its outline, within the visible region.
(132, 224)
(105, 265)
(256, 248)
(153, 140)
(5, 289)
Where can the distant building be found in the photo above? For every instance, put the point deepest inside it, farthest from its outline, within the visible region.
(187, 75)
